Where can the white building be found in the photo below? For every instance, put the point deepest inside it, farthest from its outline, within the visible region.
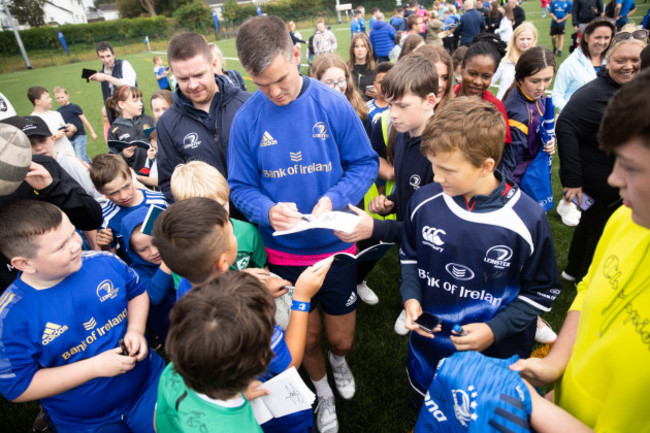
(57, 12)
(109, 11)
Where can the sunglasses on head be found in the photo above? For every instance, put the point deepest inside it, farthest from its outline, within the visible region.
(637, 34)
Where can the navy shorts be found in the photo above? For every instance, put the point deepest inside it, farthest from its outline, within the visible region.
(337, 296)
(557, 29)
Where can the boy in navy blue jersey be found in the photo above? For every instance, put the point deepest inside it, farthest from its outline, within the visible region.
(61, 322)
(112, 177)
(475, 250)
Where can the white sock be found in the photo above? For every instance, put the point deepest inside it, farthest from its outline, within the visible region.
(336, 360)
(322, 387)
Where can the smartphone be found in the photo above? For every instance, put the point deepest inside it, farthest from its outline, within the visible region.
(125, 351)
(370, 88)
(587, 201)
(63, 128)
(428, 322)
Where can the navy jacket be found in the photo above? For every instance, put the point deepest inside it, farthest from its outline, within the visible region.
(187, 134)
(471, 24)
(382, 38)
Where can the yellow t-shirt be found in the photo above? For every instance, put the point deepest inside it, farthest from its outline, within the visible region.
(607, 382)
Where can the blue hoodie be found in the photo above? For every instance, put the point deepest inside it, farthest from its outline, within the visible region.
(159, 285)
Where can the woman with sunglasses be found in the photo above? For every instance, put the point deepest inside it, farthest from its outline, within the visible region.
(583, 166)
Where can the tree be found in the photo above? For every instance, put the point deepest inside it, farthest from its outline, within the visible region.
(195, 16)
(149, 6)
(28, 11)
(128, 8)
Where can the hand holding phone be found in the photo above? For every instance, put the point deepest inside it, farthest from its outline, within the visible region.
(587, 201)
(125, 351)
(428, 322)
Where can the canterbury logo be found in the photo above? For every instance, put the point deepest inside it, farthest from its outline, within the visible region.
(52, 330)
(268, 140)
(295, 156)
(90, 324)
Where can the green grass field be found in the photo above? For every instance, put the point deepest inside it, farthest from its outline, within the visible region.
(382, 401)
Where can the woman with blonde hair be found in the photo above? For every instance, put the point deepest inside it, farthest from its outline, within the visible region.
(361, 64)
(524, 37)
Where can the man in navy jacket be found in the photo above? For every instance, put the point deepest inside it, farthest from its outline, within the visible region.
(471, 23)
(197, 126)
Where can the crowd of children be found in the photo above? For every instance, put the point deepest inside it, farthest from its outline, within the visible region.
(81, 325)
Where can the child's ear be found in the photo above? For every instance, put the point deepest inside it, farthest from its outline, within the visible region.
(23, 264)
(223, 265)
(432, 100)
(488, 166)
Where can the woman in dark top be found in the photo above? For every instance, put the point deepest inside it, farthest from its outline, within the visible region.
(362, 65)
(583, 166)
(494, 17)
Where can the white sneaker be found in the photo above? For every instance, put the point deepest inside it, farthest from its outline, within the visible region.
(399, 324)
(567, 277)
(569, 213)
(343, 379)
(366, 294)
(544, 334)
(326, 420)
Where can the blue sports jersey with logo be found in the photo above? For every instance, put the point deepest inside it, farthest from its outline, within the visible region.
(560, 8)
(475, 393)
(472, 265)
(312, 147)
(80, 317)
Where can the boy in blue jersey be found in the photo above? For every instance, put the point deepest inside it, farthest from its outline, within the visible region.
(379, 104)
(112, 177)
(219, 342)
(195, 239)
(475, 250)
(560, 11)
(62, 321)
(145, 259)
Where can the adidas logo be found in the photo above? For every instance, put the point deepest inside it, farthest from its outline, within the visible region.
(352, 299)
(52, 330)
(295, 157)
(89, 325)
(267, 140)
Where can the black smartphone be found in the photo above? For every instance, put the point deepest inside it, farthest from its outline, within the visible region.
(428, 322)
(63, 128)
(125, 351)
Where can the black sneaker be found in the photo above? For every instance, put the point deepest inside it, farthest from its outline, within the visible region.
(559, 53)
(554, 51)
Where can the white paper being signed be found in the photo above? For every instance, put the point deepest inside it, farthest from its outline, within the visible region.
(334, 220)
(289, 394)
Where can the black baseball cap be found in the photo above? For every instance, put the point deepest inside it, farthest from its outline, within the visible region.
(30, 125)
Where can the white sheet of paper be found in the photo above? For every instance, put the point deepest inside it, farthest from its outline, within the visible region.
(334, 220)
(289, 394)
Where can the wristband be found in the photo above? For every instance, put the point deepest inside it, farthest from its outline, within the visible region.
(300, 306)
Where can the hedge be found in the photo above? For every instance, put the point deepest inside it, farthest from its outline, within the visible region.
(43, 38)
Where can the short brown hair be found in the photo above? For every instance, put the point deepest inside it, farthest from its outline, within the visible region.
(259, 42)
(412, 74)
(190, 236)
(469, 125)
(22, 223)
(105, 168)
(591, 27)
(35, 92)
(437, 53)
(220, 334)
(186, 46)
(628, 115)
